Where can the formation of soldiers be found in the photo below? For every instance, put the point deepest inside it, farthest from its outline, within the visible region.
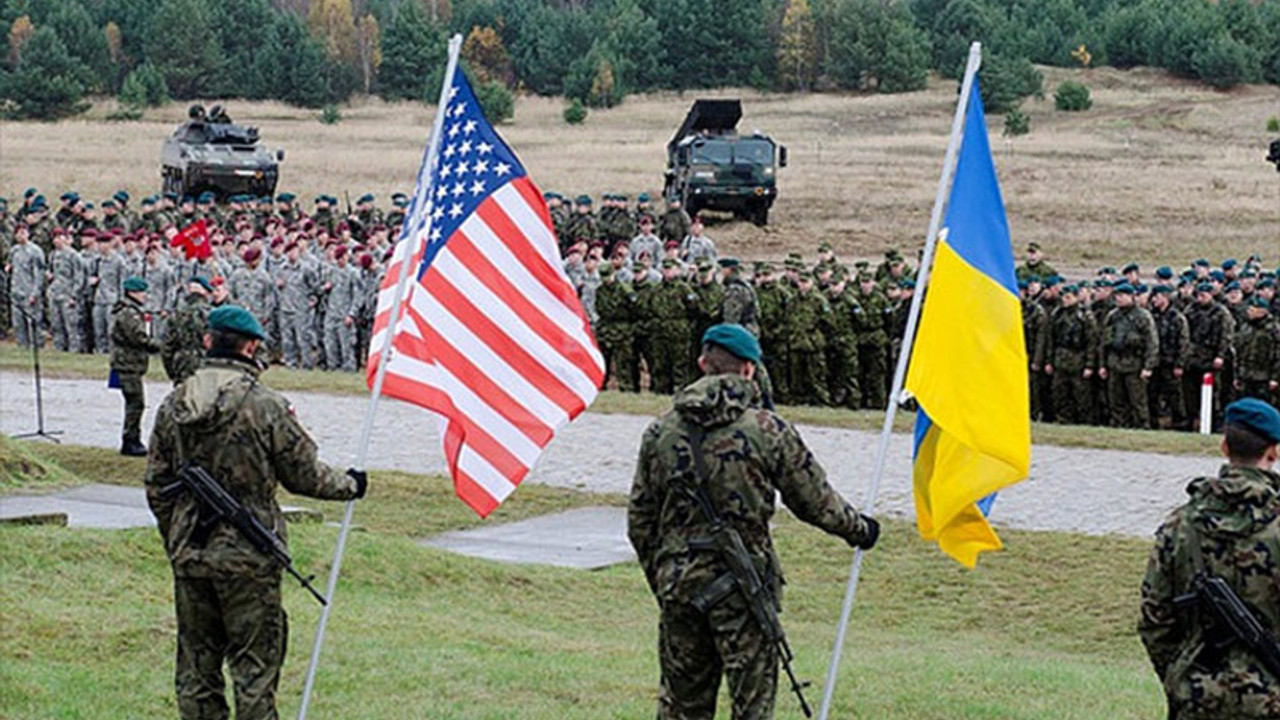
(1124, 348)
(310, 278)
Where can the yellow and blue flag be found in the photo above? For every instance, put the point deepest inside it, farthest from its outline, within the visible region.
(968, 368)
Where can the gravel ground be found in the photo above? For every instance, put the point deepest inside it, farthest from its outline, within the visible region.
(1098, 492)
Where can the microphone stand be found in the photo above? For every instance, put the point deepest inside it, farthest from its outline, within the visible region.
(33, 330)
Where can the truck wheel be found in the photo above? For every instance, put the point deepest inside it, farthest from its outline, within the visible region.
(760, 215)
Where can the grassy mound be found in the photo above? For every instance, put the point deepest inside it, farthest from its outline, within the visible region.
(21, 466)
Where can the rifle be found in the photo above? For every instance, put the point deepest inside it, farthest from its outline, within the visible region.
(220, 505)
(742, 575)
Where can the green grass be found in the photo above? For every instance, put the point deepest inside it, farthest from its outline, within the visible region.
(1043, 630)
(66, 365)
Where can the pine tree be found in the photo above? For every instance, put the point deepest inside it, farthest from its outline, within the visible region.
(412, 48)
(46, 83)
(184, 47)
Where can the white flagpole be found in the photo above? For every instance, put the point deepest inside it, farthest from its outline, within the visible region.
(900, 372)
(384, 358)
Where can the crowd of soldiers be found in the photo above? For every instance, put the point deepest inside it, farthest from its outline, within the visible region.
(1123, 349)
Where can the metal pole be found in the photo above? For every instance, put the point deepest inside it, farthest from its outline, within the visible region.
(408, 235)
(900, 372)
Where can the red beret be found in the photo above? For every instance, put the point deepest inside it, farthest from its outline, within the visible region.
(671, 244)
(366, 260)
(340, 251)
(219, 281)
(252, 254)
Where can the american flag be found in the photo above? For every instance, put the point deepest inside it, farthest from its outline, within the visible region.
(491, 336)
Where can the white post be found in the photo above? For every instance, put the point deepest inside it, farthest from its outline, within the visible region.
(900, 372)
(407, 235)
(1206, 404)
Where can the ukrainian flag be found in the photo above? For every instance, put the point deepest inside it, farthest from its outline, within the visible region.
(968, 368)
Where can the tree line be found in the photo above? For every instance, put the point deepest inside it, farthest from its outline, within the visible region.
(316, 52)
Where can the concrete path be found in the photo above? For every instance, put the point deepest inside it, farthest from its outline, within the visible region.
(586, 539)
(111, 507)
(1092, 491)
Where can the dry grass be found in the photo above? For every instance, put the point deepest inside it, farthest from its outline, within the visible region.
(1160, 170)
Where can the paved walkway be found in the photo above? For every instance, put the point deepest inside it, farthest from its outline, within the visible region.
(1092, 491)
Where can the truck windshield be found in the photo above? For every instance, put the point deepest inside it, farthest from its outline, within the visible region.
(712, 152)
(753, 152)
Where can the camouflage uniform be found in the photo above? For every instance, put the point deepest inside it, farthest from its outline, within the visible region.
(673, 226)
(1211, 330)
(227, 593)
(751, 455)
(582, 227)
(1072, 349)
(1129, 346)
(252, 289)
(1035, 332)
(184, 343)
(808, 363)
(297, 286)
(108, 269)
(873, 343)
(1257, 345)
(665, 313)
(775, 302)
(26, 292)
(161, 278)
(741, 306)
(130, 350)
(842, 350)
(1236, 516)
(343, 302)
(704, 311)
(1165, 388)
(65, 291)
(615, 309)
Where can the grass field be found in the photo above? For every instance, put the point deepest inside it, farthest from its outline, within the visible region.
(57, 364)
(1043, 630)
(1161, 170)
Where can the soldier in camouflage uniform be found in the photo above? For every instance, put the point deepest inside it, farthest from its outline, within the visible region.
(665, 309)
(1230, 527)
(673, 226)
(873, 343)
(558, 212)
(26, 288)
(842, 346)
(1035, 333)
(706, 309)
(67, 281)
(131, 346)
(1071, 359)
(1212, 330)
(616, 318)
(1257, 345)
(1035, 266)
(226, 592)
(809, 315)
(745, 449)
(251, 287)
(1130, 352)
(183, 345)
(341, 308)
(775, 301)
(1165, 389)
(295, 287)
(106, 277)
(582, 227)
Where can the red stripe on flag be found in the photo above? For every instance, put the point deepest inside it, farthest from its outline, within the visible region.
(501, 344)
(518, 243)
(461, 246)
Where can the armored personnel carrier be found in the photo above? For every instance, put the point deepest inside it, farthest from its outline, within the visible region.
(710, 166)
(211, 153)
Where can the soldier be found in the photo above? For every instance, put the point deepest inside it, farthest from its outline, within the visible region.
(370, 284)
(873, 343)
(665, 310)
(644, 209)
(131, 345)
(774, 301)
(674, 224)
(27, 279)
(1130, 352)
(706, 309)
(842, 346)
(295, 286)
(1071, 357)
(1211, 336)
(582, 227)
(696, 245)
(646, 244)
(615, 314)
(1227, 529)
(1035, 333)
(717, 447)
(106, 277)
(395, 218)
(250, 286)
(740, 305)
(642, 287)
(67, 281)
(809, 315)
(1175, 340)
(161, 278)
(1035, 265)
(226, 592)
(1257, 345)
(341, 308)
(558, 212)
(183, 345)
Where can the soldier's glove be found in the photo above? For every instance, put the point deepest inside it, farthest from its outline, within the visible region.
(871, 536)
(362, 481)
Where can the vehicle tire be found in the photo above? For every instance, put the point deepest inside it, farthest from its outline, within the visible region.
(760, 215)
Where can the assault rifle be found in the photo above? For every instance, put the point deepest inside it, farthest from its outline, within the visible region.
(1232, 619)
(217, 505)
(742, 576)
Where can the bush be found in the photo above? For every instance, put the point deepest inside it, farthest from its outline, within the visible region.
(1224, 62)
(126, 112)
(1005, 81)
(1016, 123)
(1273, 124)
(575, 112)
(330, 114)
(1072, 96)
(46, 84)
(143, 87)
(496, 100)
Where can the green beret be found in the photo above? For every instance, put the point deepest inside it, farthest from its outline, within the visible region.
(729, 262)
(1162, 289)
(1124, 289)
(639, 269)
(1033, 246)
(1131, 267)
(202, 281)
(286, 197)
(824, 246)
(605, 270)
(1258, 302)
(642, 197)
(736, 339)
(1254, 415)
(583, 200)
(367, 197)
(1071, 290)
(134, 283)
(1204, 287)
(670, 263)
(236, 319)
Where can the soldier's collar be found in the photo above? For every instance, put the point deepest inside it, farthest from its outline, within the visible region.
(231, 359)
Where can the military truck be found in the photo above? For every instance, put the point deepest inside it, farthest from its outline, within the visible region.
(712, 167)
(211, 153)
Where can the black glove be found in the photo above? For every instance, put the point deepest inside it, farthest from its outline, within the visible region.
(872, 534)
(362, 481)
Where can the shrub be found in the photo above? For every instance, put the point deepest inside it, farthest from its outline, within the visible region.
(1016, 123)
(1072, 96)
(1273, 124)
(1224, 62)
(1005, 81)
(330, 114)
(496, 100)
(575, 113)
(126, 112)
